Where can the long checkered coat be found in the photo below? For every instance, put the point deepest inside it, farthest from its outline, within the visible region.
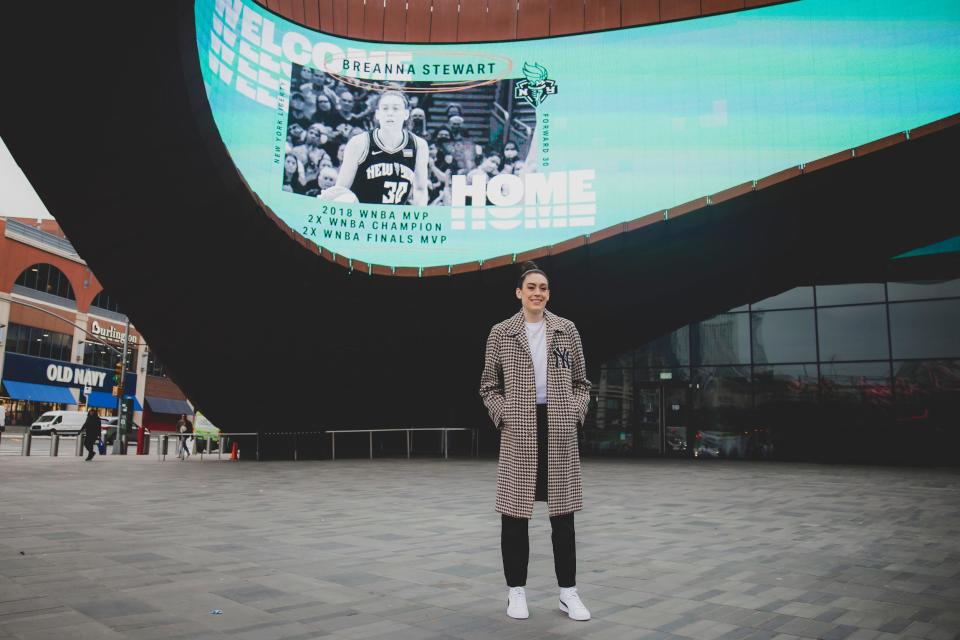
(508, 390)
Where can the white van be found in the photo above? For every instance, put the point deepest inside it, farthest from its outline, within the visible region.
(59, 422)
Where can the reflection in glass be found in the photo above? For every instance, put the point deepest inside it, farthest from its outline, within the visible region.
(784, 336)
(928, 394)
(853, 333)
(925, 329)
(722, 412)
(790, 299)
(671, 350)
(861, 292)
(923, 289)
(607, 429)
(723, 339)
(785, 384)
(855, 383)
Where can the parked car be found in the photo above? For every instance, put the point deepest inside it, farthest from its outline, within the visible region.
(108, 429)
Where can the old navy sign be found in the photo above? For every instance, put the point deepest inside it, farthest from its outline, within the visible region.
(75, 375)
(24, 368)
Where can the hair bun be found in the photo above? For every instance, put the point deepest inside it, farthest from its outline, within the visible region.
(527, 265)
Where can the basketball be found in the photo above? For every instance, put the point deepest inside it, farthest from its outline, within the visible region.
(339, 194)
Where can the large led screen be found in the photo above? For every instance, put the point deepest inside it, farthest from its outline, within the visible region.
(426, 155)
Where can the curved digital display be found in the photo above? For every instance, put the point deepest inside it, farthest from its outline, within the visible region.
(427, 155)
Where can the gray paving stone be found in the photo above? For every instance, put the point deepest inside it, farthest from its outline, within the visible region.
(398, 549)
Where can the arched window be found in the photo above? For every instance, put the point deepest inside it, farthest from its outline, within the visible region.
(46, 278)
(105, 301)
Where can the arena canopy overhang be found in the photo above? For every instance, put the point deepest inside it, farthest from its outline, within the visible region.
(259, 322)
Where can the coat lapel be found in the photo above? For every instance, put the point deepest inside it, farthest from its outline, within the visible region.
(517, 329)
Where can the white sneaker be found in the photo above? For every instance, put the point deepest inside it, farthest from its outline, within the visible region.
(572, 605)
(517, 603)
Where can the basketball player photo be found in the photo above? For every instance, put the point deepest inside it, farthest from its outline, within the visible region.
(386, 165)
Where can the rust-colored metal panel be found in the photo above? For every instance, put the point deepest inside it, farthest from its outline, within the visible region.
(435, 271)
(678, 9)
(603, 234)
(566, 16)
(501, 19)
(778, 177)
(731, 193)
(380, 270)
(465, 267)
(311, 14)
(686, 207)
(645, 221)
(533, 254)
(407, 272)
(828, 161)
(936, 125)
(373, 20)
(472, 24)
(601, 14)
(443, 22)
(633, 12)
(418, 20)
(361, 266)
(720, 6)
(500, 261)
(395, 20)
(567, 245)
(761, 3)
(533, 19)
(882, 143)
(340, 16)
(326, 16)
(297, 11)
(273, 5)
(355, 18)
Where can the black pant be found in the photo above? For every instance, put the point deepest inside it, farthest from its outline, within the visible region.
(515, 546)
(514, 540)
(88, 445)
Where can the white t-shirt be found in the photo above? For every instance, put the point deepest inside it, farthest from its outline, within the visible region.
(537, 339)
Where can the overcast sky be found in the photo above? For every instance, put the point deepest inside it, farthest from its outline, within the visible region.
(17, 197)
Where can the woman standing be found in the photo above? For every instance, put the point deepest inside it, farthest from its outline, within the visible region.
(535, 387)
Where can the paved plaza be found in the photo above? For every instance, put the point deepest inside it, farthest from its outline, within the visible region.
(129, 547)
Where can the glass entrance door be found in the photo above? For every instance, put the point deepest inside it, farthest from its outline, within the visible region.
(661, 422)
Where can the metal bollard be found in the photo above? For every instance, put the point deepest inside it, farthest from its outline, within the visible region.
(164, 446)
(146, 445)
(25, 445)
(55, 444)
(79, 444)
(123, 444)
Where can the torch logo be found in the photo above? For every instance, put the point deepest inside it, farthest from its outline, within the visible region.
(536, 86)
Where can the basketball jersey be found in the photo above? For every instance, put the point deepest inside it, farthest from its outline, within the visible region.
(383, 176)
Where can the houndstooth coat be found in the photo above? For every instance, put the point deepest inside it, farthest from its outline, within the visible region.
(508, 390)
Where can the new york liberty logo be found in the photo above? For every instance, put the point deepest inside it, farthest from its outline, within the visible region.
(536, 86)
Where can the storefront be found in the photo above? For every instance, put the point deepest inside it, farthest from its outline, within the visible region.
(33, 385)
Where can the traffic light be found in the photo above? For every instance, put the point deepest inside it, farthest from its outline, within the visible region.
(117, 383)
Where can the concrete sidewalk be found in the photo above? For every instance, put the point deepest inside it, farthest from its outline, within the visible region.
(126, 547)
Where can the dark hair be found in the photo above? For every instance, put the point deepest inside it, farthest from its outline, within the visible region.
(526, 269)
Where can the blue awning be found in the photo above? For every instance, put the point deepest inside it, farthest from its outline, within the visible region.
(104, 400)
(166, 405)
(38, 392)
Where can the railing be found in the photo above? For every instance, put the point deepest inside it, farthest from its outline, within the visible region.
(444, 431)
(25, 445)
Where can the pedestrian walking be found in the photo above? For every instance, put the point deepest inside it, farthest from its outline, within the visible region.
(185, 429)
(536, 391)
(91, 433)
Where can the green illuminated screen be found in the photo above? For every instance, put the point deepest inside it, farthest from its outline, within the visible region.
(425, 155)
